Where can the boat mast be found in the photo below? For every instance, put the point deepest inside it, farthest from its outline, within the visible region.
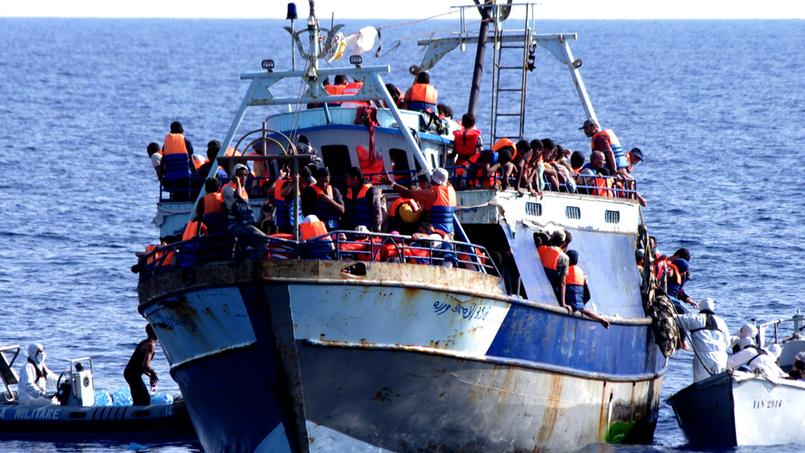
(480, 54)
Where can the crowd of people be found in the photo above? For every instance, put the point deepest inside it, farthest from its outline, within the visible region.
(539, 165)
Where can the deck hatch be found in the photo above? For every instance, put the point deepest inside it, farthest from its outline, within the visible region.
(532, 208)
(612, 216)
(572, 212)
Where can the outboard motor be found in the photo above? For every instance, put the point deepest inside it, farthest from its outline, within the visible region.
(78, 389)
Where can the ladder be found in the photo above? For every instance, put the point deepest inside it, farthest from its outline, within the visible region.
(510, 76)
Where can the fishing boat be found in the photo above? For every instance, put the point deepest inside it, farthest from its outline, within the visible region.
(77, 417)
(343, 349)
(736, 408)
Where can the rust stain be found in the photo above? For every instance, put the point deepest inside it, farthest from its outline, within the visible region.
(551, 410)
(602, 411)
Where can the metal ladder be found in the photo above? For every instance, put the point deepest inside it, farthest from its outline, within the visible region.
(513, 63)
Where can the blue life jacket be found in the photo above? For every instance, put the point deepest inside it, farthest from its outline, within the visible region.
(358, 208)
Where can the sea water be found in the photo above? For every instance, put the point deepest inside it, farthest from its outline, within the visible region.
(717, 107)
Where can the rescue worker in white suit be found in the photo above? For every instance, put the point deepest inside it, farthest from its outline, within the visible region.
(35, 378)
(755, 360)
(709, 337)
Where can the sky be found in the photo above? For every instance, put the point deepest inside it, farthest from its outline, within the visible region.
(401, 9)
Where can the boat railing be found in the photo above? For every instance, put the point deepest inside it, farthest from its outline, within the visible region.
(338, 245)
(771, 331)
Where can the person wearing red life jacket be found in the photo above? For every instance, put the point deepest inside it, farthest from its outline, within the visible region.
(371, 165)
(577, 292)
(422, 96)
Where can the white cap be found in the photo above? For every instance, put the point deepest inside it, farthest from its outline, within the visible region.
(361, 229)
(235, 170)
(708, 304)
(747, 330)
(439, 176)
(310, 219)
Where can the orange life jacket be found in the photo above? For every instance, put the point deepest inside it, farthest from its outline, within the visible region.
(422, 92)
(320, 192)
(243, 194)
(334, 90)
(213, 202)
(198, 161)
(603, 186)
(575, 276)
(174, 144)
(192, 230)
(157, 257)
(371, 164)
(395, 206)
(503, 143)
(465, 142)
(550, 257)
(352, 89)
(310, 230)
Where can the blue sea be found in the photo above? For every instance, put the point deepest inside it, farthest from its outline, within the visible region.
(717, 107)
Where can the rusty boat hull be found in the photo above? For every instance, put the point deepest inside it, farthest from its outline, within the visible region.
(451, 363)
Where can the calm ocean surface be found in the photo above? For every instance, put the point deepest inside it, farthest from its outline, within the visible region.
(717, 107)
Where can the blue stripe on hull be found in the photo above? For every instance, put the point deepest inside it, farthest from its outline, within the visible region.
(556, 339)
(229, 417)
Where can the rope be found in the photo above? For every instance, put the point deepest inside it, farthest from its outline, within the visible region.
(403, 24)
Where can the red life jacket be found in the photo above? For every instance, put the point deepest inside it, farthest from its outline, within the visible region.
(575, 276)
(465, 142)
(421, 96)
(352, 89)
(174, 144)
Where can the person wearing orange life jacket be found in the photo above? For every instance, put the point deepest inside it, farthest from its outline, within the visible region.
(210, 208)
(177, 165)
(555, 262)
(336, 89)
(362, 203)
(422, 95)
(441, 198)
(608, 143)
(467, 142)
(240, 217)
(323, 200)
(281, 189)
(577, 292)
(404, 215)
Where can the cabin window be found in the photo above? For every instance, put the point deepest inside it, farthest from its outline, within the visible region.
(399, 162)
(532, 208)
(573, 212)
(336, 159)
(612, 216)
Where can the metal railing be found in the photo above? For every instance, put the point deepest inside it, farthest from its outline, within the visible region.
(338, 245)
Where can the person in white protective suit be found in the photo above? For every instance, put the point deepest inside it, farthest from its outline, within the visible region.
(709, 337)
(748, 330)
(756, 360)
(34, 379)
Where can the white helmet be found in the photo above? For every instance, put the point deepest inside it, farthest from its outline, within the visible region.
(708, 304)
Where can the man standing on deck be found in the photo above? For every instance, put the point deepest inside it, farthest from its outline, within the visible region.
(139, 364)
(608, 143)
